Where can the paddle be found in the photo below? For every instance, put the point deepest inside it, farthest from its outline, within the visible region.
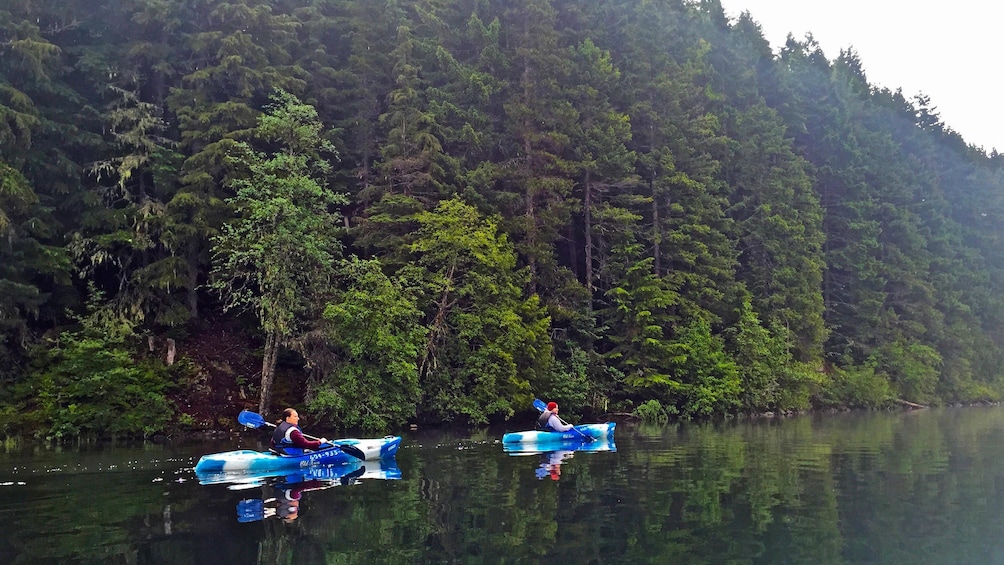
(250, 510)
(539, 405)
(254, 420)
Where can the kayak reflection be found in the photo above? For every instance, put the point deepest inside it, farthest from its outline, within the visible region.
(552, 459)
(281, 491)
(281, 494)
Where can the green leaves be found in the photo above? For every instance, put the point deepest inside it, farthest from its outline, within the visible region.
(614, 202)
(487, 341)
(280, 251)
(278, 257)
(91, 382)
(376, 336)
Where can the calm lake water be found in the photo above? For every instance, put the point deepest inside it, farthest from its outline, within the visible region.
(913, 488)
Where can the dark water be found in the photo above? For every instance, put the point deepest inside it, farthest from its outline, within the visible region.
(920, 487)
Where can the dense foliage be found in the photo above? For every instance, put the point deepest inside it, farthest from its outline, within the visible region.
(603, 203)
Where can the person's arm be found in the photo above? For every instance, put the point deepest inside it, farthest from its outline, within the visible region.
(302, 442)
(555, 422)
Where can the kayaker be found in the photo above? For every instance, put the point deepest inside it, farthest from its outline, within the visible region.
(289, 506)
(550, 421)
(287, 434)
(553, 461)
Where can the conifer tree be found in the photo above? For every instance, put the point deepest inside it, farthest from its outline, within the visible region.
(539, 121)
(238, 54)
(36, 176)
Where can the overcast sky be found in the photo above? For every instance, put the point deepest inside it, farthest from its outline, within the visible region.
(949, 51)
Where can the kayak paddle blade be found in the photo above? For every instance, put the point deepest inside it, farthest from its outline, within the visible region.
(250, 510)
(250, 419)
(539, 404)
(350, 478)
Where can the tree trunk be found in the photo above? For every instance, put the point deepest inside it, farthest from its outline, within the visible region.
(438, 325)
(193, 281)
(656, 233)
(268, 372)
(587, 219)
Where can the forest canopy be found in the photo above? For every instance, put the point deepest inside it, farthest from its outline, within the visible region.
(436, 210)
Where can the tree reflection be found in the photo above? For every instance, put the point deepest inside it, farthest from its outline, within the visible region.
(856, 488)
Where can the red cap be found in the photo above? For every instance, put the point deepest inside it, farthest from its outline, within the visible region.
(551, 406)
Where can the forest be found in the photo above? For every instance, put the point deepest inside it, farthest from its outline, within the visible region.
(433, 211)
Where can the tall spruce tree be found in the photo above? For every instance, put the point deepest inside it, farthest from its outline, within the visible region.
(37, 174)
(539, 119)
(238, 53)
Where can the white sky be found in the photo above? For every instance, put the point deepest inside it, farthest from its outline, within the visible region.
(950, 51)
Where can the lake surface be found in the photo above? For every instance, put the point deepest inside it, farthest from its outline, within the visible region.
(877, 487)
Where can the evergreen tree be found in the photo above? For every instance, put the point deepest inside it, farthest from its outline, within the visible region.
(601, 155)
(126, 238)
(359, 84)
(238, 53)
(533, 192)
(779, 229)
(36, 174)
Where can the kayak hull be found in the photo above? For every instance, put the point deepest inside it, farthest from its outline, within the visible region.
(246, 460)
(385, 469)
(380, 448)
(518, 449)
(580, 432)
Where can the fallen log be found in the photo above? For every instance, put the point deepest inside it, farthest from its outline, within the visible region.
(628, 415)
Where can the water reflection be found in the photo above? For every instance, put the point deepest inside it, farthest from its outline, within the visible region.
(873, 488)
(552, 459)
(281, 494)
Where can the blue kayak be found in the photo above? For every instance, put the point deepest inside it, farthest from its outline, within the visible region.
(582, 432)
(246, 460)
(330, 475)
(517, 449)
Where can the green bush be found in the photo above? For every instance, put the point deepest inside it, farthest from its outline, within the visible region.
(711, 378)
(375, 338)
(88, 383)
(652, 412)
(858, 387)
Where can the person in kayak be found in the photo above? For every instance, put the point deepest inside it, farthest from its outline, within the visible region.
(549, 420)
(287, 435)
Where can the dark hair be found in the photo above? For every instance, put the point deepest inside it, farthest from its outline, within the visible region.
(286, 414)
